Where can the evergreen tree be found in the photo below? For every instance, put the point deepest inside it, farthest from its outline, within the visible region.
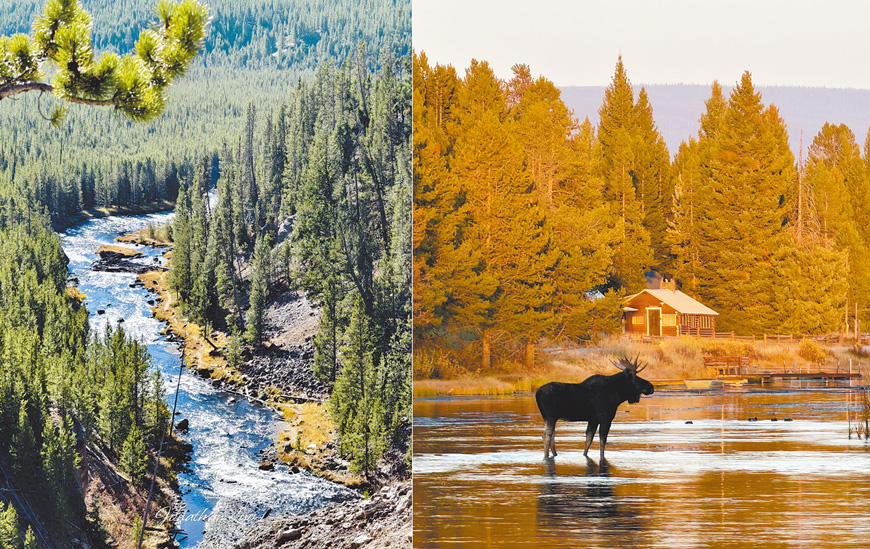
(111, 413)
(133, 457)
(248, 174)
(24, 449)
(30, 539)
(234, 348)
(326, 342)
(259, 292)
(837, 183)
(8, 409)
(487, 169)
(684, 228)
(9, 536)
(544, 126)
(182, 265)
(619, 137)
(224, 248)
(54, 473)
(750, 176)
(713, 118)
(354, 404)
(651, 173)
(156, 413)
(692, 178)
(500, 250)
(431, 200)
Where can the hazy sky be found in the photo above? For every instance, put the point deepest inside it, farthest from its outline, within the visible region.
(576, 42)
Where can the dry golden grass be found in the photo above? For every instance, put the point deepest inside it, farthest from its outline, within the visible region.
(309, 423)
(120, 250)
(142, 237)
(670, 359)
(201, 353)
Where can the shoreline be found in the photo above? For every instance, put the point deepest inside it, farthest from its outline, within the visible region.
(671, 363)
(81, 216)
(307, 422)
(110, 491)
(493, 387)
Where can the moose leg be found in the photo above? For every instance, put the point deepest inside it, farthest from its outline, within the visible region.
(549, 431)
(602, 438)
(553, 439)
(590, 432)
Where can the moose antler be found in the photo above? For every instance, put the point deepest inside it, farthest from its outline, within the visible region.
(626, 363)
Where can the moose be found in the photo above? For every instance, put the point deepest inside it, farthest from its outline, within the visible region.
(594, 400)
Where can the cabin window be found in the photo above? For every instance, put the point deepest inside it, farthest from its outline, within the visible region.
(706, 322)
(637, 319)
(669, 320)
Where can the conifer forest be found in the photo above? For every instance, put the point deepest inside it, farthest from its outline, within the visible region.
(338, 215)
(280, 134)
(531, 225)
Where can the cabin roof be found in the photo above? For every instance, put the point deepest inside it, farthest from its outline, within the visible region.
(678, 300)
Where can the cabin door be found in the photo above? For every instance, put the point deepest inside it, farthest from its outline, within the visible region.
(654, 321)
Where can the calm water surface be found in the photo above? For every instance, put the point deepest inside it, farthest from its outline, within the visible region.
(480, 477)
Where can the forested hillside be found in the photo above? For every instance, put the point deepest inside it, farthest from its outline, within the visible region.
(254, 53)
(522, 211)
(62, 389)
(299, 114)
(334, 166)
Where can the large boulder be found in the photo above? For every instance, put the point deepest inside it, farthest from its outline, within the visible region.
(109, 251)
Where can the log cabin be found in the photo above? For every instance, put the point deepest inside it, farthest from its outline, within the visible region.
(666, 312)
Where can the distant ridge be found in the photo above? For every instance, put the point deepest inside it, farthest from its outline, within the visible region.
(677, 108)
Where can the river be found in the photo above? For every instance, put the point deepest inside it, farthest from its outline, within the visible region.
(223, 489)
(480, 477)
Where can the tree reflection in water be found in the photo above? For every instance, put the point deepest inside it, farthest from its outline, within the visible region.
(581, 501)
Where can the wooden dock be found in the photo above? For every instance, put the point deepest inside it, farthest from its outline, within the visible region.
(828, 376)
(767, 377)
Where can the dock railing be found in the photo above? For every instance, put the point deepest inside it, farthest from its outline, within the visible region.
(706, 333)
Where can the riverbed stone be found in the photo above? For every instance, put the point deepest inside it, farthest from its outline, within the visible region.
(289, 535)
(360, 540)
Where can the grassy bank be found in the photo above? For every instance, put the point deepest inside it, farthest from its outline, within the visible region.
(156, 237)
(120, 251)
(307, 441)
(670, 359)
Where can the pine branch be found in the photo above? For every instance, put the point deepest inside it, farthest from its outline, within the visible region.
(134, 84)
(26, 86)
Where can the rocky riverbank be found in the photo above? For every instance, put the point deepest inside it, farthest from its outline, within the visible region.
(380, 521)
(278, 374)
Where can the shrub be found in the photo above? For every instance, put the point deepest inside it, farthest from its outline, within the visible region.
(812, 352)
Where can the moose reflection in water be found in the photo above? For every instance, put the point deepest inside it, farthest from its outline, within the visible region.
(588, 498)
(594, 400)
